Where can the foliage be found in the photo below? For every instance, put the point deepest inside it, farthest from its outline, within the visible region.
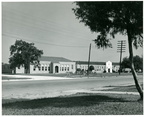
(91, 68)
(110, 18)
(138, 63)
(125, 63)
(23, 53)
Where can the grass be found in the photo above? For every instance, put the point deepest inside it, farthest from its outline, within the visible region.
(78, 104)
(130, 88)
(12, 78)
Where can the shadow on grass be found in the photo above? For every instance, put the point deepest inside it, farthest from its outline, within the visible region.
(75, 101)
(130, 88)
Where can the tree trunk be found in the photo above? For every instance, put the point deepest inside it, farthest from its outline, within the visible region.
(27, 68)
(132, 66)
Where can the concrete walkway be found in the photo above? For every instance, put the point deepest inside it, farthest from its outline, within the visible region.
(30, 77)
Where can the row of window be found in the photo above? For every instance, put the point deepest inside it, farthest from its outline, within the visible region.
(42, 68)
(64, 68)
(45, 68)
(96, 67)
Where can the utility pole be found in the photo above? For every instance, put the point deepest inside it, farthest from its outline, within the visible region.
(121, 48)
(89, 58)
(120, 57)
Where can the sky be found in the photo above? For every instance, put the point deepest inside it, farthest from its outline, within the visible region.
(53, 28)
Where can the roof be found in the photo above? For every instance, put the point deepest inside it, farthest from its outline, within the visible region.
(115, 63)
(94, 63)
(54, 59)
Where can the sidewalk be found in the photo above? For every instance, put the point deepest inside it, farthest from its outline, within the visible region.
(29, 77)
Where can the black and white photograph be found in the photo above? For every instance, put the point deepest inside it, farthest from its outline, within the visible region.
(72, 57)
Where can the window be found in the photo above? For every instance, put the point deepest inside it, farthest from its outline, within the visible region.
(67, 68)
(42, 68)
(62, 68)
(46, 68)
(72, 66)
(34, 68)
(39, 68)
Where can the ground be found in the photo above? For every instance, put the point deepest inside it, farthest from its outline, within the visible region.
(77, 104)
(84, 102)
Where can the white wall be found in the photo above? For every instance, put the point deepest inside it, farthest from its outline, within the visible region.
(43, 64)
(67, 65)
(20, 70)
(109, 66)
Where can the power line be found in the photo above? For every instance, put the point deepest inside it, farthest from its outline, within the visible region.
(44, 42)
(35, 27)
(59, 27)
(48, 30)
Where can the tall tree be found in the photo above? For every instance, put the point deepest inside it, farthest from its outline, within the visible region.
(125, 63)
(24, 54)
(138, 63)
(110, 18)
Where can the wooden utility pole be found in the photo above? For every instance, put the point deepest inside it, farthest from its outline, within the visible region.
(121, 47)
(89, 59)
(120, 57)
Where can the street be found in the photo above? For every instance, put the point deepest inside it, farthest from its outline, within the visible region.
(49, 88)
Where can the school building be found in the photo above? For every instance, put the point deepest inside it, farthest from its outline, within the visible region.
(51, 65)
(99, 67)
(63, 65)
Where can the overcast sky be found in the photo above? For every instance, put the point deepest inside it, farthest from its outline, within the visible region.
(53, 27)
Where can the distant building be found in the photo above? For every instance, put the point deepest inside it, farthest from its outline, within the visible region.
(51, 65)
(63, 65)
(99, 67)
(6, 68)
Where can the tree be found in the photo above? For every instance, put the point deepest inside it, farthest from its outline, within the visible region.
(110, 18)
(24, 54)
(125, 63)
(138, 63)
(91, 68)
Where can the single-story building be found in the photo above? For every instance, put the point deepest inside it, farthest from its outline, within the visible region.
(63, 65)
(6, 68)
(51, 65)
(99, 67)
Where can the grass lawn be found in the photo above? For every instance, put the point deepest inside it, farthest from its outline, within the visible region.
(130, 88)
(12, 78)
(77, 104)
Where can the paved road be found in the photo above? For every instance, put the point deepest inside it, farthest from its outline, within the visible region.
(51, 88)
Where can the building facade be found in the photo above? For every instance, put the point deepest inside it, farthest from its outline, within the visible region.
(99, 67)
(62, 65)
(50, 65)
(6, 68)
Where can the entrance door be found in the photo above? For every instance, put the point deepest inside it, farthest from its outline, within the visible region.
(56, 69)
(109, 70)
